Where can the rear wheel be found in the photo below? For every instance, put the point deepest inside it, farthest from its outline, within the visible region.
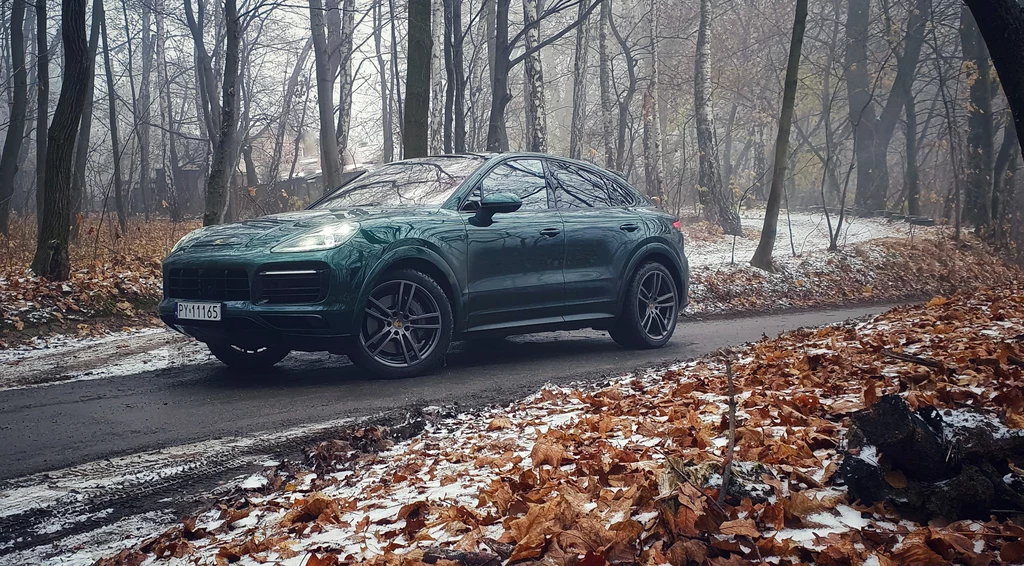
(406, 327)
(248, 358)
(650, 311)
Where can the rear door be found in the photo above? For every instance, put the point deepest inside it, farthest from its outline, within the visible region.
(515, 263)
(601, 231)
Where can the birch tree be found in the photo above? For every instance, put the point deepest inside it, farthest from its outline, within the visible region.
(652, 124)
(536, 117)
(605, 79)
(579, 85)
(718, 201)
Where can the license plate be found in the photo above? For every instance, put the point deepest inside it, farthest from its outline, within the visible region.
(199, 311)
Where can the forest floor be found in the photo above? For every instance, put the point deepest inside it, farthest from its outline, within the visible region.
(631, 471)
(116, 281)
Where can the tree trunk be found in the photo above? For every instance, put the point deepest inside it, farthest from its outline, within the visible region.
(913, 179)
(1002, 181)
(763, 255)
(536, 117)
(42, 111)
(579, 86)
(85, 131)
(345, 72)
(16, 125)
(286, 111)
(417, 80)
(51, 258)
(329, 164)
(142, 116)
(871, 133)
(437, 87)
(459, 38)
(387, 126)
(396, 83)
(1002, 25)
(626, 101)
(449, 69)
(225, 156)
(119, 200)
(980, 126)
(497, 138)
(652, 124)
(605, 76)
(720, 203)
(760, 165)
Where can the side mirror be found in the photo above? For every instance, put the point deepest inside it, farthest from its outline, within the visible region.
(497, 203)
(500, 203)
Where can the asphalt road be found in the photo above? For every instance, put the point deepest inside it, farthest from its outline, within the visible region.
(68, 423)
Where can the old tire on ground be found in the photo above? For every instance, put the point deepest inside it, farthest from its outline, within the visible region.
(650, 310)
(246, 358)
(406, 326)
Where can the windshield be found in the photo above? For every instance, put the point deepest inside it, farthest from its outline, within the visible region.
(420, 182)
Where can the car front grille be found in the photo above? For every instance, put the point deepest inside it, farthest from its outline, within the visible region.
(207, 284)
(292, 286)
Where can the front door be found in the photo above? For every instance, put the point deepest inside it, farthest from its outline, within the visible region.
(515, 262)
(601, 231)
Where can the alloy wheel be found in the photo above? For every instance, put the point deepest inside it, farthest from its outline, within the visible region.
(402, 325)
(656, 305)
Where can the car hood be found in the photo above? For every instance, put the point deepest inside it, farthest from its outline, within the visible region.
(268, 231)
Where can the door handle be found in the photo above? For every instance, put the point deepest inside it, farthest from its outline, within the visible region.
(550, 232)
(629, 227)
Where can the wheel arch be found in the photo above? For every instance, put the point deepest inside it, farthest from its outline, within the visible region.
(421, 259)
(658, 253)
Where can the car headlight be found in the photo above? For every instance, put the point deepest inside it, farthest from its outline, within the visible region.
(323, 238)
(186, 239)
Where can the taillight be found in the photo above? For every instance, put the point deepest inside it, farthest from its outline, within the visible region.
(677, 226)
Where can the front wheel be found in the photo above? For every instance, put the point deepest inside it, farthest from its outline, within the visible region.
(650, 311)
(247, 358)
(406, 326)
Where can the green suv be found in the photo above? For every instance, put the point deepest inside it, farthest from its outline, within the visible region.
(393, 265)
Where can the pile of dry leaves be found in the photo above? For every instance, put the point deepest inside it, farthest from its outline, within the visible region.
(113, 276)
(632, 472)
(877, 270)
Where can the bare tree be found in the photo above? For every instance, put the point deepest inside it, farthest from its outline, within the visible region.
(42, 109)
(329, 164)
(1002, 25)
(51, 258)
(119, 196)
(763, 255)
(579, 85)
(536, 117)
(605, 79)
(417, 80)
(718, 200)
(16, 124)
(980, 125)
(85, 130)
(225, 153)
(652, 124)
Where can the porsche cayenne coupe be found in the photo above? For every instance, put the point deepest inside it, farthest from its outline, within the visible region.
(392, 266)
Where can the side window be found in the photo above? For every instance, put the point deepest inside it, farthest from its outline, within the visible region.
(617, 194)
(521, 177)
(579, 188)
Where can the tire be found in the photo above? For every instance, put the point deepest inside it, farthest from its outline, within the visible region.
(406, 326)
(244, 358)
(646, 323)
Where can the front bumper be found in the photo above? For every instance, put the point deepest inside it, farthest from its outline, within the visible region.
(250, 317)
(308, 328)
